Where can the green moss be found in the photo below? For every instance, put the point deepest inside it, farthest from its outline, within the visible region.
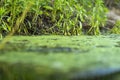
(53, 57)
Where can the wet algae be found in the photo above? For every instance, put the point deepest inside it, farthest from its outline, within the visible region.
(61, 58)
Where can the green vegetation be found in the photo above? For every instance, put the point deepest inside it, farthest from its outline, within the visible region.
(116, 28)
(67, 44)
(60, 57)
(66, 17)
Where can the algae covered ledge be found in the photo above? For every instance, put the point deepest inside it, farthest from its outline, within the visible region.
(61, 58)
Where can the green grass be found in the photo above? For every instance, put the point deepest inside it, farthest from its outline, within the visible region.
(53, 17)
(116, 28)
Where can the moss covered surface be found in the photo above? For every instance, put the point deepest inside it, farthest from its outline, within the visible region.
(61, 58)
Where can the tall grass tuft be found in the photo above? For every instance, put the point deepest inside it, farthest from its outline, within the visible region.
(116, 28)
(15, 27)
(98, 17)
(66, 17)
